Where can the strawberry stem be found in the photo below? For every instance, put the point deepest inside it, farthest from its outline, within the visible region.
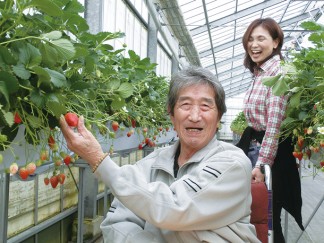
(76, 185)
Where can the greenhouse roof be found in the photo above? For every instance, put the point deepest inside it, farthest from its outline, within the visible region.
(210, 31)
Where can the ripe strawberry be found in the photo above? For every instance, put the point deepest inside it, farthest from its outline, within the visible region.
(17, 118)
(322, 163)
(72, 119)
(309, 153)
(140, 146)
(160, 129)
(46, 181)
(133, 123)
(54, 181)
(61, 178)
(67, 159)
(51, 141)
(31, 168)
(300, 142)
(129, 134)
(147, 140)
(13, 168)
(115, 125)
(298, 155)
(167, 129)
(23, 173)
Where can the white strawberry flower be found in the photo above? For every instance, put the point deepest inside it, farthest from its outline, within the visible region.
(320, 130)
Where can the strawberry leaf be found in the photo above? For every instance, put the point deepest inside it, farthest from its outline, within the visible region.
(54, 35)
(57, 108)
(48, 7)
(21, 71)
(125, 90)
(57, 79)
(270, 81)
(64, 48)
(29, 55)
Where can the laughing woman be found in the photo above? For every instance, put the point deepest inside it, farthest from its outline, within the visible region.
(264, 113)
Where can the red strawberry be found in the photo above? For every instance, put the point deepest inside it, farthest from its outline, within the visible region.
(145, 130)
(322, 163)
(300, 142)
(17, 118)
(46, 181)
(133, 123)
(54, 181)
(61, 178)
(147, 140)
(67, 159)
(72, 119)
(51, 141)
(129, 134)
(23, 173)
(115, 125)
(167, 129)
(31, 168)
(140, 146)
(298, 155)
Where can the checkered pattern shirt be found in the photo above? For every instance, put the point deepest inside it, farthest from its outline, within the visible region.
(265, 111)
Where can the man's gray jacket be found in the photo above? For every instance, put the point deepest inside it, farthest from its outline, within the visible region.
(209, 201)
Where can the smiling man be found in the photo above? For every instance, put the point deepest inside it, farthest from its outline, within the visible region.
(197, 190)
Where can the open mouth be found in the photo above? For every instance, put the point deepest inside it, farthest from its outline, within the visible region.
(193, 129)
(256, 52)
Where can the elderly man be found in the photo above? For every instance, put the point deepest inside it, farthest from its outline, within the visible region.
(197, 190)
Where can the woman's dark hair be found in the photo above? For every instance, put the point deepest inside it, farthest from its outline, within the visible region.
(274, 30)
(193, 75)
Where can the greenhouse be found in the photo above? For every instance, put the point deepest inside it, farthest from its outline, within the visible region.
(144, 120)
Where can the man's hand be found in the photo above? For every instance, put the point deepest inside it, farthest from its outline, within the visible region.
(82, 142)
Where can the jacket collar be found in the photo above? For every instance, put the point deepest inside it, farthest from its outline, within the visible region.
(165, 158)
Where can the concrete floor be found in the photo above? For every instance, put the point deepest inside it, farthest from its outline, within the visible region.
(312, 193)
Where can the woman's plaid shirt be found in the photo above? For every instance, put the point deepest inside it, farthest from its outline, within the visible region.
(265, 111)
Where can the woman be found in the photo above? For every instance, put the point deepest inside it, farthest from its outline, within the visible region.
(264, 113)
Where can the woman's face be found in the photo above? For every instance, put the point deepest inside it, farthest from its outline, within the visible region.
(260, 45)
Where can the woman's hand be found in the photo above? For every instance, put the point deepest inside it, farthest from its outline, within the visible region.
(82, 142)
(257, 175)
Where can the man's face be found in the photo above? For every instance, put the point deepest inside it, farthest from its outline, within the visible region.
(195, 117)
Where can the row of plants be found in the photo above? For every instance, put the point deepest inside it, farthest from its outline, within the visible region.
(50, 64)
(303, 81)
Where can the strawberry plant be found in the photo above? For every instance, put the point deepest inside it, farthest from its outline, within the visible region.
(303, 82)
(239, 123)
(51, 65)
